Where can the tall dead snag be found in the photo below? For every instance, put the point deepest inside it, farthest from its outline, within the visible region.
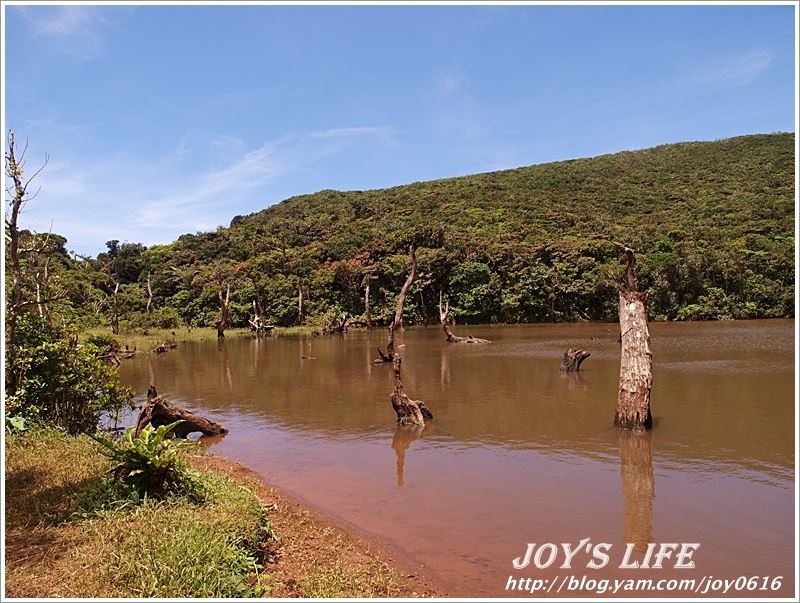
(638, 487)
(410, 280)
(149, 307)
(444, 312)
(300, 309)
(636, 364)
(224, 316)
(571, 363)
(409, 412)
(367, 310)
(19, 197)
(159, 411)
(115, 310)
(258, 325)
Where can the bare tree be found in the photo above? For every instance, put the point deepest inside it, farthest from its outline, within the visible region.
(444, 312)
(15, 167)
(224, 315)
(410, 280)
(148, 309)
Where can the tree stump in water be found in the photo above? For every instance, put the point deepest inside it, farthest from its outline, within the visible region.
(409, 412)
(444, 312)
(636, 357)
(159, 411)
(571, 363)
(389, 355)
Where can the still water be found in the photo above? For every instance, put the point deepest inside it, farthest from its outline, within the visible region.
(517, 452)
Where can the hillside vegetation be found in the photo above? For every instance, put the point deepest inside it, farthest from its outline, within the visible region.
(712, 222)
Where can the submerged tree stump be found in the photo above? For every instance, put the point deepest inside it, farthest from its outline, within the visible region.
(159, 411)
(571, 363)
(636, 357)
(409, 412)
(444, 312)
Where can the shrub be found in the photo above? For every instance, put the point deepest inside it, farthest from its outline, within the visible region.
(150, 462)
(59, 382)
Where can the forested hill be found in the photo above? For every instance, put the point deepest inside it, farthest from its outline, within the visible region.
(712, 222)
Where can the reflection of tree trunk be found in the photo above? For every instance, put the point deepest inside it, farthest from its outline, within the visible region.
(636, 358)
(444, 370)
(638, 487)
(367, 310)
(403, 438)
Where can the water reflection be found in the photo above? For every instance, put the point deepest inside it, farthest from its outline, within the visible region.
(403, 438)
(638, 487)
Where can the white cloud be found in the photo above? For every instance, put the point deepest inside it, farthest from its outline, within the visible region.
(738, 70)
(73, 30)
(150, 201)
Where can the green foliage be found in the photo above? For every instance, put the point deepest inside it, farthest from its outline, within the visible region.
(103, 342)
(528, 244)
(150, 462)
(61, 383)
(166, 318)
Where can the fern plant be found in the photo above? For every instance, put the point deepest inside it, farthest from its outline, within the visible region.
(150, 462)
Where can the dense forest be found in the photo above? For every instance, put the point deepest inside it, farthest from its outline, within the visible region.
(712, 224)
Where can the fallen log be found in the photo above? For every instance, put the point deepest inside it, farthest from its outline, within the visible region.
(572, 360)
(159, 411)
(409, 412)
(444, 312)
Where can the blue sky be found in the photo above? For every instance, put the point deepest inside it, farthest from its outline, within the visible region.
(163, 120)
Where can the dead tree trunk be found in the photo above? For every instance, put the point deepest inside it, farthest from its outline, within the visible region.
(367, 310)
(638, 487)
(444, 312)
(115, 310)
(571, 363)
(224, 303)
(389, 355)
(409, 412)
(159, 411)
(148, 309)
(636, 364)
(401, 298)
(300, 309)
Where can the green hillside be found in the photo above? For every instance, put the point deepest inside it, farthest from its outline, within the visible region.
(712, 222)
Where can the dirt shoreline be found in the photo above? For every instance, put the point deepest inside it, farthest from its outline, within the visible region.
(306, 535)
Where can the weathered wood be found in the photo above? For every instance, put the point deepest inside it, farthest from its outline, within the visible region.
(159, 411)
(300, 302)
(149, 307)
(367, 309)
(638, 487)
(636, 357)
(389, 355)
(572, 360)
(444, 312)
(164, 347)
(409, 412)
(224, 315)
(410, 280)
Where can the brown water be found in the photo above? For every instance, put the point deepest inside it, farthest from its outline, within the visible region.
(518, 452)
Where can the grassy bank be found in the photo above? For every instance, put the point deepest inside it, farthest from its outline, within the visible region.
(69, 535)
(146, 340)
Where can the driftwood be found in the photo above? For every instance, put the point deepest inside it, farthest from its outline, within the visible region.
(110, 358)
(571, 363)
(409, 412)
(636, 357)
(444, 312)
(159, 411)
(340, 324)
(163, 347)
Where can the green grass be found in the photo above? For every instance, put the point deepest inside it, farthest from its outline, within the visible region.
(58, 489)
